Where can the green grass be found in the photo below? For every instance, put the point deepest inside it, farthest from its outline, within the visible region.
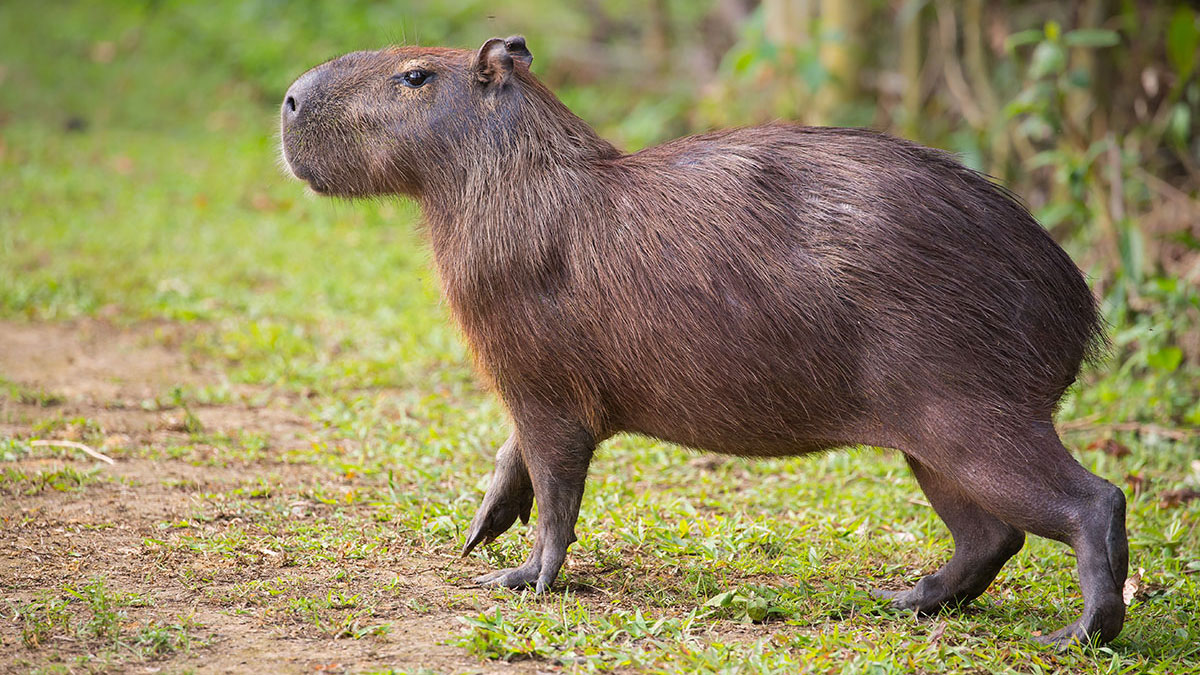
(96, 615)
(170, 207)
(66, 478)
(29, 395)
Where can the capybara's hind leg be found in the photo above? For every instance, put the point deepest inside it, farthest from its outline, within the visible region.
(1029, 480)
(1102, 559)
(982, 544)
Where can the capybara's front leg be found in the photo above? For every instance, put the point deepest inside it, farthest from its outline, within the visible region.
(509, 496)
(557, 457)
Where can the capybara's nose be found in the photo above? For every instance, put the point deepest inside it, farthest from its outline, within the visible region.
(298, 95)
(293, 101)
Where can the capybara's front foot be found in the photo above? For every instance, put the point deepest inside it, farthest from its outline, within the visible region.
(516, 578)
(1064, 637)
(509, 496)
(495, 516)
(538, 572)
(558, 456)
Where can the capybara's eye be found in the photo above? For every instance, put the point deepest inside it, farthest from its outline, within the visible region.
(415, 78)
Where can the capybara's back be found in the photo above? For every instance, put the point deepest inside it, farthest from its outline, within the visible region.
(772, 290)
(775, 288)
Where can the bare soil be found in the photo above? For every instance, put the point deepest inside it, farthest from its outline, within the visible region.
(106, 527)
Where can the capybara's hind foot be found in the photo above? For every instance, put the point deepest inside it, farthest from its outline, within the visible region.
(1095, 627)
(927, 597)
(1064, 637)
(899, 599)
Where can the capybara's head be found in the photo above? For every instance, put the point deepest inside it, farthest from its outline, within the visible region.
(391, 121)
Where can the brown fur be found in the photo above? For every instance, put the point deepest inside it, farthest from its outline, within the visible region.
(763, 291)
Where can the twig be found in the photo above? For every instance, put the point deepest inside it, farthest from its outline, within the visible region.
(956, 82)
(1116, 197)
(73, 444)
(1163, 187)
(1177, 433)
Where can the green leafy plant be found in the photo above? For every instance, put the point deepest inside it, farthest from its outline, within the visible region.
(748, 604)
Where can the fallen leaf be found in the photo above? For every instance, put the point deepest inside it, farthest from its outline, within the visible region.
(103, 52)
(115, 441)
(1133, 586)
(1173, 498)
(1110, 447)
(1136, 483)
(262, 202)
(122, 164)
(936, 633)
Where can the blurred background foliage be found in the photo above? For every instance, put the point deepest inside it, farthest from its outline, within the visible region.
(1087, 109)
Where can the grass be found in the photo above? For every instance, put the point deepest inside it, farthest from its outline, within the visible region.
(169, 209)
(30, 395)
(97, 616)
(66, 478)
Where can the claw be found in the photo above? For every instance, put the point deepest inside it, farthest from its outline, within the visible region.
(494, 518)
(515, 578)
(1064, 638)
(478, 534)
(490, 578)
(903, 600)
(475, 537)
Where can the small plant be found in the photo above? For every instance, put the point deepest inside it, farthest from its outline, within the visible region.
(159, 640)
(106, 607)
(29, 395)
(191, 424)
(64, 479)
(748, 604)
(492, 636)
(568, 632)
(97, 615)
(43, 618)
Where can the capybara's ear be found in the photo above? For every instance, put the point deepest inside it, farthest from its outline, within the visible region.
(493, 64)
(515, 44)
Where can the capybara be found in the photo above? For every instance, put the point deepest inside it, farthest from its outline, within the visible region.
(764, 291)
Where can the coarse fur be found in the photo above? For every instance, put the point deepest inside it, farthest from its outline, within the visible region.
(764, 291)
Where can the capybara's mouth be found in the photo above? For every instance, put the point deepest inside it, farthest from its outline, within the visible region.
(319, 180)
(318, 187)
(303, 173)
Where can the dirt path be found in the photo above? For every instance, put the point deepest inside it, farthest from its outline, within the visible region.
(154, 524)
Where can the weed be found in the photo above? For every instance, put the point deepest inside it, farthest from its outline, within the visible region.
(29, 395)
(42, 619)
(63, 479)
(98, 616)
